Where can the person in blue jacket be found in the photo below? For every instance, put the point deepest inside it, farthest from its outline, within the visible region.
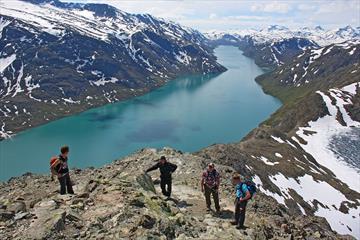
(242, 196)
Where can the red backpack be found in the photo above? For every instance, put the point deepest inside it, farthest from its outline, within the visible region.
(54, 162)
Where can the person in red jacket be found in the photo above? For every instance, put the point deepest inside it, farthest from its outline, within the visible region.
(62, 171)
(210, 183)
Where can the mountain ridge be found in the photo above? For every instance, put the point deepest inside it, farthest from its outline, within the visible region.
(71, 58)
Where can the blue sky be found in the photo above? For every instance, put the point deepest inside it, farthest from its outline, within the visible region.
(207, 15)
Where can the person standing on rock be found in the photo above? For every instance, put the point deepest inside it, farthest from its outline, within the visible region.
(166, 169)
(242, 196)
(210, 183)
(62, 171)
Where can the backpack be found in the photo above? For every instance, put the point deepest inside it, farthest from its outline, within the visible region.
(251, 186)
(54, 161)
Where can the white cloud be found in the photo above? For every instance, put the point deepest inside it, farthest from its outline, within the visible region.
(271, 7)
(306, 7)
(229, 14)
(213, 16)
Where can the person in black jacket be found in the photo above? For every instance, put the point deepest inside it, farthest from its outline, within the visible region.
(62, 170)
(166, 169)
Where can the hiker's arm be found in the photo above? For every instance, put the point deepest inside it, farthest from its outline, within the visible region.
(174, 167)
(247, 196)
(156, 166)
(202, 183)
(218, 181)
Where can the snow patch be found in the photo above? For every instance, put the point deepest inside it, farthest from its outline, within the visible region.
(5, 62)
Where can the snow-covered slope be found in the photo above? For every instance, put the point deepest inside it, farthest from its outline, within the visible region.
(313, 64)
(276, 45)
(67, 57)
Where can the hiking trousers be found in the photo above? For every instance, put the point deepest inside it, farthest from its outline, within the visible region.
(240, 209)
(215, 194)
(165, 184)
(65, 184)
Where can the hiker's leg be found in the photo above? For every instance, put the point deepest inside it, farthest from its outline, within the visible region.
(237, 211)
(69, 184)
(163, 185)
(169, 187)
(242, 213)
(215, 194)
(62, 185)
(207, 196)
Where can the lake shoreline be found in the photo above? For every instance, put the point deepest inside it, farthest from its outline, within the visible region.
(74, 111)
(177, 87)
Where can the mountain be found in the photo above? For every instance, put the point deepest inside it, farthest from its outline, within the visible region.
(118, 201)
(306, 154)
(57, 58)
(320, 68)
(276, 45)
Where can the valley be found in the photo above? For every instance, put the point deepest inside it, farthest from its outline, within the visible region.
(286, 111)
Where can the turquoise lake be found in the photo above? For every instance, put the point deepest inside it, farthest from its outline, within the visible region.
(188, 114)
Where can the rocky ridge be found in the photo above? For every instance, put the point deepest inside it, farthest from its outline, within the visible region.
(118, 201)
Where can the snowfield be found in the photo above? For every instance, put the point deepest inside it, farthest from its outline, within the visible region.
(318, 146)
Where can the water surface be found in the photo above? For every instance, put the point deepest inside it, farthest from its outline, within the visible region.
(188, 114)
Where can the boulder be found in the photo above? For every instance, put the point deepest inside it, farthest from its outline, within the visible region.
(46, 224)
(16, 207)
(4, 216)
(145, 181)
(147, 221)
(21, 215)
(73, 216)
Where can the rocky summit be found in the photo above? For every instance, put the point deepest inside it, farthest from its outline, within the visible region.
(119, 201)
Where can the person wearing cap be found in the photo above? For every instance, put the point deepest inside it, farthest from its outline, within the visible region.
(166, 169)
(243, 195)
(210, 183)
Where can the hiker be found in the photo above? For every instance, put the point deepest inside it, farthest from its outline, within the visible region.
(59, 166)
(166, 169)
(243, 195)
(210, 183)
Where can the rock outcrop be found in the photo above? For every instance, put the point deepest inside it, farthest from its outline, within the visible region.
(119, 201)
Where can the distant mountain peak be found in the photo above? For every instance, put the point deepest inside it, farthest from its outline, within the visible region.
(276, 28)
(319, 28)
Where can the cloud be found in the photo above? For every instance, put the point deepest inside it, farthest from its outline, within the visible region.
(230, 14)
(306, 7)
(271, 7)
(213, 16)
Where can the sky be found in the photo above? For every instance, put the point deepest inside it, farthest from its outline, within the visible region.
(206, 15)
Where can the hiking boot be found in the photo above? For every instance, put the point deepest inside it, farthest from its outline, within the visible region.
(234, 223)
(241, 227)
(208, 209)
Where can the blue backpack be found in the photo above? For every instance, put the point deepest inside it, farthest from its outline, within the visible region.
(251, 186)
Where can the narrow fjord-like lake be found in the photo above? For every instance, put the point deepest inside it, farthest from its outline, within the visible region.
(188, 114)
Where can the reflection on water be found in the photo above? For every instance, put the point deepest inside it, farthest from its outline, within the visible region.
(154, 131)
